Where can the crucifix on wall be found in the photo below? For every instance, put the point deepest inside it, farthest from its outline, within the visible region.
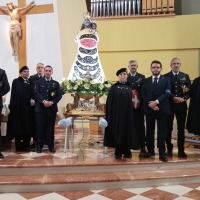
(18, 25)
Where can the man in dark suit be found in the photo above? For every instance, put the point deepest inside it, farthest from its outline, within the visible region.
(4, 89)
(47, 94)
(33, 79)
(138, 116)
(180, 87)
(155, 93)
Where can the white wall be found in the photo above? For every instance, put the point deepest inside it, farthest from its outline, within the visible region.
(43, 42)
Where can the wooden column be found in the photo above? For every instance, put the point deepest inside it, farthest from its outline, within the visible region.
(22, 40)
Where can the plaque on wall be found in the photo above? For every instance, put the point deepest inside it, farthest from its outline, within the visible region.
(164, 6)
(148, 7)
(171, 6)
(144, 7)
(159, 6)
(153, 6)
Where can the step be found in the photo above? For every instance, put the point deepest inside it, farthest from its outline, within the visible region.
(98, 180)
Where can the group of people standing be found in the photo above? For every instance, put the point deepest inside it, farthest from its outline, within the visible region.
(160, 97)
(33, 108)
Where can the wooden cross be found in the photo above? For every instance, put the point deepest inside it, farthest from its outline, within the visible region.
(22, 40)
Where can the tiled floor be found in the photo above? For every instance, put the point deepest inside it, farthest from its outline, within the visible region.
(175, 192)
(84, 151)
(88, 152)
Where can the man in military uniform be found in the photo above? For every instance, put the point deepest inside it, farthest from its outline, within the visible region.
(47, 94)
(138, 116)
(33, 79)
(40, 73)
(4, 89)
(180, 86)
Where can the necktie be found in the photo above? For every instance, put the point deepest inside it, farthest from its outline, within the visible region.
(40, 77)
(155, 83)
(176, 76)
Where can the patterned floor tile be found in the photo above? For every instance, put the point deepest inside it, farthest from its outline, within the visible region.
(138, 197)
(33, 195)
(194, 194)
(156, 194)
(33, 154)
(74, 195)
(94, 197)
(183, 198)
(11, 196)
(138, 190)
(117, 194)
(51, 196)
(65, 155)
(175, 189)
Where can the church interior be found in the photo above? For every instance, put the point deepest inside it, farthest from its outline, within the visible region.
(82, 168)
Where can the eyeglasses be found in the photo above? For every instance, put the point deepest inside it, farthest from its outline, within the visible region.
(155, 67)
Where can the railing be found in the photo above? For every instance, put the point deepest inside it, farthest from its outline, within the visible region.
(129, 8)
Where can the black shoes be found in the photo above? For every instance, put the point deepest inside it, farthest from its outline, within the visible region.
(169, 153)
(143, 151)
(39, 150)
(149, 155)
(1, 155)
(128, 156)
(52, 150)
(182, 154)
(163, 157)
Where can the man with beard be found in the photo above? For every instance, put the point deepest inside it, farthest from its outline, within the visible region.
(120, 130)
(20, 119)
(138, 116)
(193, 120)
(180, 86)
(155, 93)
(47, 94)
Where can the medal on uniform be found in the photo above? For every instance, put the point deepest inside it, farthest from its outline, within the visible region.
(52, 94)
(185, 89)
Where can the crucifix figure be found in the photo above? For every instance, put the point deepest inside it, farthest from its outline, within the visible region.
(15, 27)
(18, 25)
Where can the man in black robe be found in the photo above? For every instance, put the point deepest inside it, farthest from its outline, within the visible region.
(4, 89)
(193, 120)
(136, 80)
(120, 130)
(20, 119)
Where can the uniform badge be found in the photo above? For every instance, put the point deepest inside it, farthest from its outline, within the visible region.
(52, 94)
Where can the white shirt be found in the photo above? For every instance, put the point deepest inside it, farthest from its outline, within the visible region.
(175, 73)
(155, 77)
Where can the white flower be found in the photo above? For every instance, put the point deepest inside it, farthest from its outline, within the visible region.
(101, 86)
(75, 87)
(86, 86)
(69, 87)
(64, 79)
(86, 80)
(108, 85)
(60, 82)
(92, 82)
(79, 82)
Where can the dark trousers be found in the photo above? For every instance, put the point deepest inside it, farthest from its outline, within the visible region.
(138, 118)
(181, 118)
(161, 131)
(22, 141)
(0, 132)
(122, 149)
(45, 122)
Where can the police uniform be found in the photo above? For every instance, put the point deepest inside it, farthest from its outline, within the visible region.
(45, 116)
(4, 89)
(180, 86)
(34, 78)
(138, 115)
